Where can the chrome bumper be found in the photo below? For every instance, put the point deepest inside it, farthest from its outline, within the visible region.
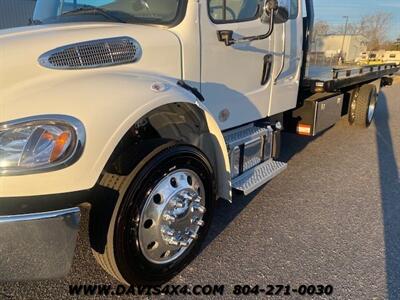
(38, 246)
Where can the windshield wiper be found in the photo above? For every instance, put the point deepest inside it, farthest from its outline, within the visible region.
(89, 8)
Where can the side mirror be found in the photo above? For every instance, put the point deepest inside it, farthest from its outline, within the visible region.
(281, 13)
(269, 9)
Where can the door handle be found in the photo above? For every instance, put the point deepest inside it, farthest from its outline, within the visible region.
(267, 68)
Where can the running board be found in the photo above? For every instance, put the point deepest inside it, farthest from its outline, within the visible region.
(254, 178)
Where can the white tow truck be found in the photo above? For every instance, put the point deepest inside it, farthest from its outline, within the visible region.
(148, 111)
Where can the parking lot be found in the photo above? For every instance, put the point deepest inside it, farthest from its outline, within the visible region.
(331, 218)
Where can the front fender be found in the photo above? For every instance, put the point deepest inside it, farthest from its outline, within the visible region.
(108, 103)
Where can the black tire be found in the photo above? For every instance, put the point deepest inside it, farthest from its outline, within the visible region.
(123, 257)
(363, 106)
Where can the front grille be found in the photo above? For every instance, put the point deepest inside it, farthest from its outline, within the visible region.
(93, 54)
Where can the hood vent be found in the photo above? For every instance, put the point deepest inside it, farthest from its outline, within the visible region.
(93, 54)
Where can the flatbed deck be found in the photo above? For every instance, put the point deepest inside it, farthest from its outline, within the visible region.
(338, 79)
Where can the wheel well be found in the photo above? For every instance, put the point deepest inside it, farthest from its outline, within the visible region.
(177, 122)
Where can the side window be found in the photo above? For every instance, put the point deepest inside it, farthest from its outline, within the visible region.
(292, 7)
(305, 13)
(228, 11)
(294, 10)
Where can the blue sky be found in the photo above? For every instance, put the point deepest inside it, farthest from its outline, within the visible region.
(333, 10)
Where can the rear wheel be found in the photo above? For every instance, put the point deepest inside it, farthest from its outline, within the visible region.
(363, 106)
(161, 219)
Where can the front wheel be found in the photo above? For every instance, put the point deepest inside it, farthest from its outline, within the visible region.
(162, 217)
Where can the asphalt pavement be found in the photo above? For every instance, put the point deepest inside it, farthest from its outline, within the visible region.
(332, 218)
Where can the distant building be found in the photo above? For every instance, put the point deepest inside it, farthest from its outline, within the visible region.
(15, 13)
(331, 46)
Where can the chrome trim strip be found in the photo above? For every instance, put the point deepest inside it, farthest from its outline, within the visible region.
(39, 216)
(283, 55)
(63, 120)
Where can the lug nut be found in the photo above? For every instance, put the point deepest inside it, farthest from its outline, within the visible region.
(169, 218)
(173, 242)
(187, 197)
(198, 222)
(193, 236)
(178, 205)
(201, 209)
(168, 232)
(197, 200)
(183, 244)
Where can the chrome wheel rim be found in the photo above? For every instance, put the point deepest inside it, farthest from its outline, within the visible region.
(371, 110)
(172, 216)
(353, 110)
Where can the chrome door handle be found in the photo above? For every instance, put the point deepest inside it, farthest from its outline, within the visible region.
(267, 68)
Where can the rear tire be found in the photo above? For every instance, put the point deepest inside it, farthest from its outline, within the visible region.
(139, 228)
(363, 106)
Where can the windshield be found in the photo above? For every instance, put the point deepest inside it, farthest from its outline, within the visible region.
(161, 12)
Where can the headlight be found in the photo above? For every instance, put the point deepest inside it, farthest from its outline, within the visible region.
(40, 144)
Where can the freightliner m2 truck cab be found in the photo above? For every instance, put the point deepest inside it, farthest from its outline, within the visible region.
(148, 112)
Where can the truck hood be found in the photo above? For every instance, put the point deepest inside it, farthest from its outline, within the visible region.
(20, 49)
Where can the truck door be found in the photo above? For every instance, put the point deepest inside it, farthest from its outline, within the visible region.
(236, 79)
(288, 47)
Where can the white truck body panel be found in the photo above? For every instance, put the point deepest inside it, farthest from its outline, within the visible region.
(152, 124)
(122, 95)
(286, 75)
(231, 76)
(105, 123)
(20, 50)
(189, 51)
(188, 34)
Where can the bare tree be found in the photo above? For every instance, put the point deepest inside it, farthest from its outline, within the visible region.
(321, 28)
(393, 45)
(352, 28)
(374, 27)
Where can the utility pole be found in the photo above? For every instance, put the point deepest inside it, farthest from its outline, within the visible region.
(344, 36)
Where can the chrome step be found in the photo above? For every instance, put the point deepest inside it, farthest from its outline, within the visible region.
(254, 178)
(242, 135)
(248, 147)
